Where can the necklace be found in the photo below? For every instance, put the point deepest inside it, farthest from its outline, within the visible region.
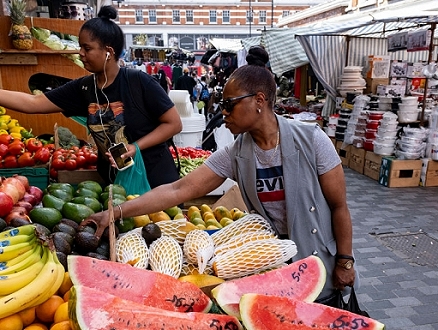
(269, 161)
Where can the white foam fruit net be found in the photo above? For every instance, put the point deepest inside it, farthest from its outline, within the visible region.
(241, 239)
(131, 249)
(245, 225)
(198, 248)
(166, 256)
(253, 257)
(174, 228)
(189, 268)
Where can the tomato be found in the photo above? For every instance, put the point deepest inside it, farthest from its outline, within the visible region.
(92, 158)
(42, 155)
(53, 173)
(70, 164)
(58, 163)
(10, 161)
(80, 161)
(58, 152)
(5, 139)
(26, 160)
(33, 144)
(51, 147)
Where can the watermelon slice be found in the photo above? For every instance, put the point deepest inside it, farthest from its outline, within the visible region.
(263, 312)
(303, 279)
(139, 285)
(92, 309)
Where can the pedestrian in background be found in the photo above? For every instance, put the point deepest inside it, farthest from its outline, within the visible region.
(186, 82)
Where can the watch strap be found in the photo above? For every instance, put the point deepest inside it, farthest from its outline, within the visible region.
(344, 256)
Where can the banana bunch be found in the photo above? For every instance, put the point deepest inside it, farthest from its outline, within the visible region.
(30, 272)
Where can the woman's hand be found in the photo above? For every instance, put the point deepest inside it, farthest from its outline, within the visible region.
(130, 153)
(100, 220)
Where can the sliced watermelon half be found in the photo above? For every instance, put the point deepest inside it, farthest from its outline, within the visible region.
(93, 309)
(139, 285)
(263, 312)
(303, 279)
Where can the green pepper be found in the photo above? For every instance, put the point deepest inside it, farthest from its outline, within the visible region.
(26, 134)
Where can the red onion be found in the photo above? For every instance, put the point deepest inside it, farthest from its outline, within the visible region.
(29, 198)
(28, 206)
(37, 193)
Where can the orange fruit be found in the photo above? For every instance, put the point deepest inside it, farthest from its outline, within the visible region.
(36, 326)
(46, 311)
(66, 284)
(12, 322)
(61, 313)
(67, 295)
(28, 316)
(64, 325)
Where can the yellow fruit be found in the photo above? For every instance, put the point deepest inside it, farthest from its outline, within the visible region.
(130, 197)
(172, 211)
(141, 220)
(202, 280)
(36, 326)
(198, 221)
(238, 215)
(66, 296)
(211, 227)
(66, 284)
(12, 322)
(228, 222)
(27, 316)
(201, 226)
(159, 216)
(179, 216)
(61, 313)
(213, 223)
(220, 212)
(208, 215)
(205, 208)
(195, 214)
(188, 227)
(46, 311)
(192, 209)
(64, 325)
(224, 220)
(234, 210)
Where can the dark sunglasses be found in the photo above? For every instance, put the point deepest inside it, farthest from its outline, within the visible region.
(230, 103)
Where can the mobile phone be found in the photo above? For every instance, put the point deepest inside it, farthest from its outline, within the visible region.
(116, 152)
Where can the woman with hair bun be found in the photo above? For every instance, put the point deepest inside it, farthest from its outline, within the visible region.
(120, 104)
(288, 171)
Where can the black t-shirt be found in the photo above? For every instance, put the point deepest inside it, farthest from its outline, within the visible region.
(122, 121)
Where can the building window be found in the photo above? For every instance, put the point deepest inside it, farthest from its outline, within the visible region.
(152, 16)
(138, 16)
(189, 16)
(213, 16)
(249, 16)
(285, 13)
(226, 16)
(262, 16)
(175, 16)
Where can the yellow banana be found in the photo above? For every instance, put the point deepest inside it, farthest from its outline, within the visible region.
(6, 267)
(14, 282)
(18, 259)
(36, 292)
(22, 230)
(10, 252)
(14, 240)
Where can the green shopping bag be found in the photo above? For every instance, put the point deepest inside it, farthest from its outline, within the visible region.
(134, 178)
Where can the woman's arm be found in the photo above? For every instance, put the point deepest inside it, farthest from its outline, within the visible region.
(27, 103)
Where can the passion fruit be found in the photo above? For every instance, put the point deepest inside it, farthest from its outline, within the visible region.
(150, 233)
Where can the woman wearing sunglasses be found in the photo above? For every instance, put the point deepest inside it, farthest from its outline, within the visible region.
(287, 171)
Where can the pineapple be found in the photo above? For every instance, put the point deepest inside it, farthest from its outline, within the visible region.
(21, 36)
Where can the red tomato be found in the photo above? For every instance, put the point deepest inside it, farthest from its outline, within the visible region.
(53, 173)
(80, 161)
(70, 164)
(58, 163)
(92, 159)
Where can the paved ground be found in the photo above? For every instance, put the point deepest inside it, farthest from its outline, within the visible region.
(396, 246)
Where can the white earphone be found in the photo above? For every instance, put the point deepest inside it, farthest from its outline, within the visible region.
(107, 55)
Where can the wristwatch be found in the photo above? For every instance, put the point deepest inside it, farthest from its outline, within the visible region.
(346, 265)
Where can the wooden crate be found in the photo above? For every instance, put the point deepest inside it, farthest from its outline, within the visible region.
(77, 176)
(400, 173)
(372, 165)
(357, 159)
(17, 67)
(343, 152)
(429, 173)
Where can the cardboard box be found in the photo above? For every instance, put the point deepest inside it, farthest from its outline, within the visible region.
(372, 83)
(77, 176)
(372, 165)
(400, 173)
(357, 159)
(343, 152)
(429, 173)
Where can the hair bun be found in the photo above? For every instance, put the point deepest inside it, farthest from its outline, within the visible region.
(257, 56)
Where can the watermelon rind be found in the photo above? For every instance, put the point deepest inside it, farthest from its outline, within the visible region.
(138, 285)
(303, 279)
(264, 312)
(93, 309)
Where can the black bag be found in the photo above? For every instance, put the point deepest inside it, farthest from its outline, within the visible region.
(337, 300)
(205, 94)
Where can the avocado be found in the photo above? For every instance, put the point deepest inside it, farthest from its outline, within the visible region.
(61, 194)
(91, 202)
(103, 249)
(67, 237)
(116, 201)
(76, 212)
(85, 242)
(47, 216)
(88, 229)
(92, 185)
(96, 256)
(86, 192)
(53, 201)
(60, 243)
(61, 186)
(18, 222)
(126, 225)
(71, 223)
(105, 235)
(42, 230)
(117, 189)
(150, 233)
(62, 257)
(3, 224)
(64, 228)
(105, 195)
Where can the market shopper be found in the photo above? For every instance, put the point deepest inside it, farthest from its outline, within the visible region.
(287, 171)
(186, 82)
(110, 102)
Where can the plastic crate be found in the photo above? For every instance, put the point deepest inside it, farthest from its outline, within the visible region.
(37, 176)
